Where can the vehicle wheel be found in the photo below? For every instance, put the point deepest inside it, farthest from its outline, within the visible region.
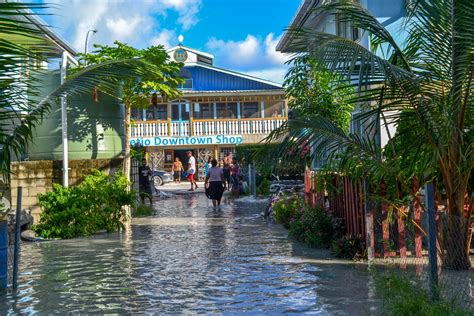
(158, 181)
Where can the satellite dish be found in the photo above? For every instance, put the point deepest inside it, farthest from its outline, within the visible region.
(180, 38)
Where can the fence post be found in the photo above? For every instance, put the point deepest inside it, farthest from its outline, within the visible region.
(16, 254)
(254, 181)
(369, 223)
(3, 254)
(432, 251)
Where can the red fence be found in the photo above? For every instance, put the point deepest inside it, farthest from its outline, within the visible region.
(386, 236)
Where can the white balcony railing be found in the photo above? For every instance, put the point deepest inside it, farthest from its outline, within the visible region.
(149, 129)
(206, 127)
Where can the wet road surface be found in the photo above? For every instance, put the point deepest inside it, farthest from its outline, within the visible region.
(189, 259)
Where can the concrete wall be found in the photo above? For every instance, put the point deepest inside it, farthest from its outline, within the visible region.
(37, 177)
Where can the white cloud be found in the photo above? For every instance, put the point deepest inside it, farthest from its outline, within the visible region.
(273, 74)
(187, 9)
(164, 38)
(133, 22)
(123, 29)
(253, 55)
(236, 53)
(270, 49)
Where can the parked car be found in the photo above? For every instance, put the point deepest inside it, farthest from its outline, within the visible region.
(160, 177)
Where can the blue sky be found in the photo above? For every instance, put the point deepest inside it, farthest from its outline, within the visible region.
(242, 34)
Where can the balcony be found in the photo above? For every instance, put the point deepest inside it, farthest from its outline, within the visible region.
(244, 126)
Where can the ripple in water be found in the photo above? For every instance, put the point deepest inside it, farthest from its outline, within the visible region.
(188, 259)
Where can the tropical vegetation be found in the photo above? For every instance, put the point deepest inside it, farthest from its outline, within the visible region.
(401, 295)
(96, 204)
(24, 47)
(161, 79)
(424, 88)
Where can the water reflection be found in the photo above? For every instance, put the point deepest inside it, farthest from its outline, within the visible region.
(188, 259)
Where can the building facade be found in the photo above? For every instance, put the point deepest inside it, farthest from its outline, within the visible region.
(218, 110)
(389, 13)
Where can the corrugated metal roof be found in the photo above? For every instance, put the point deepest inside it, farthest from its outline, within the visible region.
(210, 78)
(233, 92)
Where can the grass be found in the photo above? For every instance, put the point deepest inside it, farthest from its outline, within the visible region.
(404, 296)
(143, 210)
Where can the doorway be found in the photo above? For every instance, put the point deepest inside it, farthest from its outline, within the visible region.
(181, 154)
(180, 114)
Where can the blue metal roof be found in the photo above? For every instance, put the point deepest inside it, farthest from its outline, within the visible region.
(210, 78)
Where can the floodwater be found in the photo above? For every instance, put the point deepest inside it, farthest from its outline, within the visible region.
(189, 259)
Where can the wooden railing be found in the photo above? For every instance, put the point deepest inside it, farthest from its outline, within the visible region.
(206, 127)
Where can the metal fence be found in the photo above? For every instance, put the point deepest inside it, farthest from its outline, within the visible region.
(433, 255)
(420, 240)
(10, 230)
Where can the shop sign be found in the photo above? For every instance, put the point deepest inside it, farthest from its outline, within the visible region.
(191, 140)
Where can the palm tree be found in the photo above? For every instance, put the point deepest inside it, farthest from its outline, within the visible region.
(21, 103)
(425, 88)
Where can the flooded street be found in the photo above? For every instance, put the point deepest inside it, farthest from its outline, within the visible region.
(189, 259)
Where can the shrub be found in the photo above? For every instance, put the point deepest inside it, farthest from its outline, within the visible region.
(349, 247)
(143, 210)
(403, 296)
(315, 227)
(264, 187)
(82, 210)
(287, 209)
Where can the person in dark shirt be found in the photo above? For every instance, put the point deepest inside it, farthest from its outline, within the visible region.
(144, 185)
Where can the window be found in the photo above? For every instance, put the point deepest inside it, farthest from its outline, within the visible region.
(204, 60)
(226, 110)
(175, 112)
(137, 114)
(346, 29)
(250, 109)
(150, 113)
(187, 85)
(203, 111)
(185, 109)
(161, 112)
(157, 112)
(274, 109)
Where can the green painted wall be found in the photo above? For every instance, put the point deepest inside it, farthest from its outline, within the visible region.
(95, 130)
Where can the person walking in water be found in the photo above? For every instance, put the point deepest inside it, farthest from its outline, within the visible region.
(177, 170)
(235, 175)
(226, 169)
(207, 165)
(191, 170)
(144, 184)
(215, 184)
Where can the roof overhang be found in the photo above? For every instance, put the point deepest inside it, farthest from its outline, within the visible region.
(299, 19)
(234, 93)
(234, 73)
(195, 51)
(60, 44)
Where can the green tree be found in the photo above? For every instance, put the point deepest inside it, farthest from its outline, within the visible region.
(24, 46)
(161, 78)
(313, 93)
(425, 88)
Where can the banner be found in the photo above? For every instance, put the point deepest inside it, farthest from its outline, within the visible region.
(186, 141)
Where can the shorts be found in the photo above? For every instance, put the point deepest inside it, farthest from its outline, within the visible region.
(191, 177)
(177, 175)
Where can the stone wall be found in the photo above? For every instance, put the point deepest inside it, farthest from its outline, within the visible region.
(37, 177)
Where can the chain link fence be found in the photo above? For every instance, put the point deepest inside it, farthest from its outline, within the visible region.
(432, 248)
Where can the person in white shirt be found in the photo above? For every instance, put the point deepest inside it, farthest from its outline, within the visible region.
(215, 183)
(191, 170)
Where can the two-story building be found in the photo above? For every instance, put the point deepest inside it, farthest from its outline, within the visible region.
(219, 110)
(389, 13)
